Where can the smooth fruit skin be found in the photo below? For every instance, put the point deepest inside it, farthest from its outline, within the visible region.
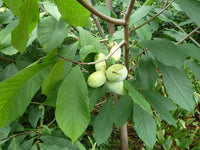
(116, 87)
(101, 65)
(97, 79)
(117, 54)
(116, 73)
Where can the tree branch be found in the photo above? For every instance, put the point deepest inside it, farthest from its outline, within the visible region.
(164, 8)
(95, 62)
(193, 40)
(11, 60)
(101, 15)
(188, 35)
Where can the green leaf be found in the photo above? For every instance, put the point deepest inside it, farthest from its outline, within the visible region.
(144, 33)
(139, 14)
(52, 9)
(16, 92)
(137, 98)
(146, 73)
(72, 106)
(14, 145)
(194, 68)
(103, 122)
(73, 12)
(103, 9)
(162, 105)
(178, 87)
(8, 71)
(4, 132)
(14, 5)
(51, 33)
(57, 143)
(145, 125)
(191, 8)
(27, 144)
(29, 16)
(122, 110)
(86, 50)
(56, 74)
(166, 52)
(34, 115)
(190, 50)
(87, 39)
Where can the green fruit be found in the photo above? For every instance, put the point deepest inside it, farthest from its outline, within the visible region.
(101, 65)
(117, 54)
(96, 79)
(116, 87)
(116, 73)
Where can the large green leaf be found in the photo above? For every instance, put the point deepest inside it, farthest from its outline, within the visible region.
(29, 16)
(145, 125)
(56, 74)
(146, 73)
(86, 50)
(103, 122)
(122, 110)
(14, 5)
(52, 9)
(137, 98)
(51, 33)
(162, 105)
(73, 12)
(191, 8)
(139, 14)
(16, 92)
(72, 106)
(87, 39)
(144, 33)
(178, 87)
(166, 52)
(190, 50)
(195, 68)
(8, 71)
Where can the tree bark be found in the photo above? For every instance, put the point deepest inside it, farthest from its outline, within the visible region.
(111, 26)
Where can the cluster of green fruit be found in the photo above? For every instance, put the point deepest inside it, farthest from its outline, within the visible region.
(112, 77)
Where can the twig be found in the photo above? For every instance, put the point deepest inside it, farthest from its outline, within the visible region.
(188, 35)
(100, 103)
(193, 40)
(51, 122)
(104, 40)
(101, 15)
(164, 8)
(95, 62)
(37, 103)
(18, 134)
(11, 60)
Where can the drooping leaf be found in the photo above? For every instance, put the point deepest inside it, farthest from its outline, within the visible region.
(72, 106)
(73, 12)
(145, 125)
(103, 122)
(4, 132)
(51, 33)
(166, 52)
(86, 50)
(162, 105)
(16, 92)
(139, 14)
(14, 5)
(56, 74)
(122, 110)
(194, 68)
(137, 98)
(178, 87)
(87, 39)
(14, 145)
(29, 16)
(8, 71)
(191, 8)
(34, 115)
(146, 73)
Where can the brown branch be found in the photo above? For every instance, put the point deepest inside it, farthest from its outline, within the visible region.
(95, 62)
(37, 103)
(123, 137)
(51, 122)
(164, 8)
(193, 40)
(11, 60)
(188, 35)
(18, 134)
(101, 15)
(111, 26)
